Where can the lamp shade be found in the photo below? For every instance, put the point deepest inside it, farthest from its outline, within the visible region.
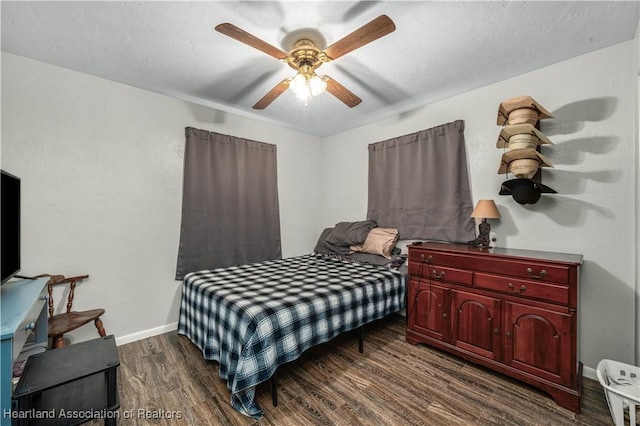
(486, 209)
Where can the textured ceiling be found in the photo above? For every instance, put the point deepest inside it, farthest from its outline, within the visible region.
(439, 49)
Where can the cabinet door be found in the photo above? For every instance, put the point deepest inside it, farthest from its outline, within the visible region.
(539, 341)
(475, 324)
(428, 309)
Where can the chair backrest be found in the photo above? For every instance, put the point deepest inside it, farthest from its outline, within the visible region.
(59, 280)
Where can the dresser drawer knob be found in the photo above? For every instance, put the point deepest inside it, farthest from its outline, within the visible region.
(426, 259)
(543, 273)
(436, 275)
(522, 288)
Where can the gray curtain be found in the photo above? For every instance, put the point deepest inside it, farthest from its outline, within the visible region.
(419, 183)
(230, 212)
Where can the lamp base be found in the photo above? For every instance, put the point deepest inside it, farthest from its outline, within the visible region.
(484, 235)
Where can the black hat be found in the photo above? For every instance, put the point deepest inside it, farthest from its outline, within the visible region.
(524, 191)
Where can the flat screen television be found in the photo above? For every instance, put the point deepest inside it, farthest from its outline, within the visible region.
(10, 229)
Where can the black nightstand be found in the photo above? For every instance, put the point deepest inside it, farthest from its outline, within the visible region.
(70, 385)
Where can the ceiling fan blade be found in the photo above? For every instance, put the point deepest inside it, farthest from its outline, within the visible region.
(379, 27)
(251, 40)
(342, 93)
(271, 96)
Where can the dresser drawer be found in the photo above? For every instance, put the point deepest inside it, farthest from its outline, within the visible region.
(524, 288)
(429, 257)
(484, 262)
(526, 269)
(440, 273)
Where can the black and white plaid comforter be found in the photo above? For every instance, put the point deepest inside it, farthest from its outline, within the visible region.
(256, 317)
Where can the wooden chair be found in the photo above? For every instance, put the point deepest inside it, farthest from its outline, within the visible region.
(62, 323)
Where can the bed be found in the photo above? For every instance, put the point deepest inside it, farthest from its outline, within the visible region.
(253, 318)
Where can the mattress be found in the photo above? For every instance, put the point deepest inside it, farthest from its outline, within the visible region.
(253, 318)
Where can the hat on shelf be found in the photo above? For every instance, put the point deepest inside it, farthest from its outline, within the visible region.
(524, 191)
(522, 163)
(521, 109)
(521, 136)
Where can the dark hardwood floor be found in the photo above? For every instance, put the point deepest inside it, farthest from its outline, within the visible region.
(392, 383)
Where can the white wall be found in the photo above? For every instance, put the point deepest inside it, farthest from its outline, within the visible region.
(101, 168)
(594, 131)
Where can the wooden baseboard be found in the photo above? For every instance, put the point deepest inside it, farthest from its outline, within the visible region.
(133, 337)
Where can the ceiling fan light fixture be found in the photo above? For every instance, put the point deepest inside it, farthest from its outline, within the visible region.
(316, 85)
(306, 85)
(299, 86)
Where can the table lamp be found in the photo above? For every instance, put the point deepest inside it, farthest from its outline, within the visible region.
(485, 209)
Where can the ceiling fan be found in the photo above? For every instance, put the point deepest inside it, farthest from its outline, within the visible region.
(305, 58)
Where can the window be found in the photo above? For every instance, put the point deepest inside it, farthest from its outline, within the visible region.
(419, 184)
(230, 212)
